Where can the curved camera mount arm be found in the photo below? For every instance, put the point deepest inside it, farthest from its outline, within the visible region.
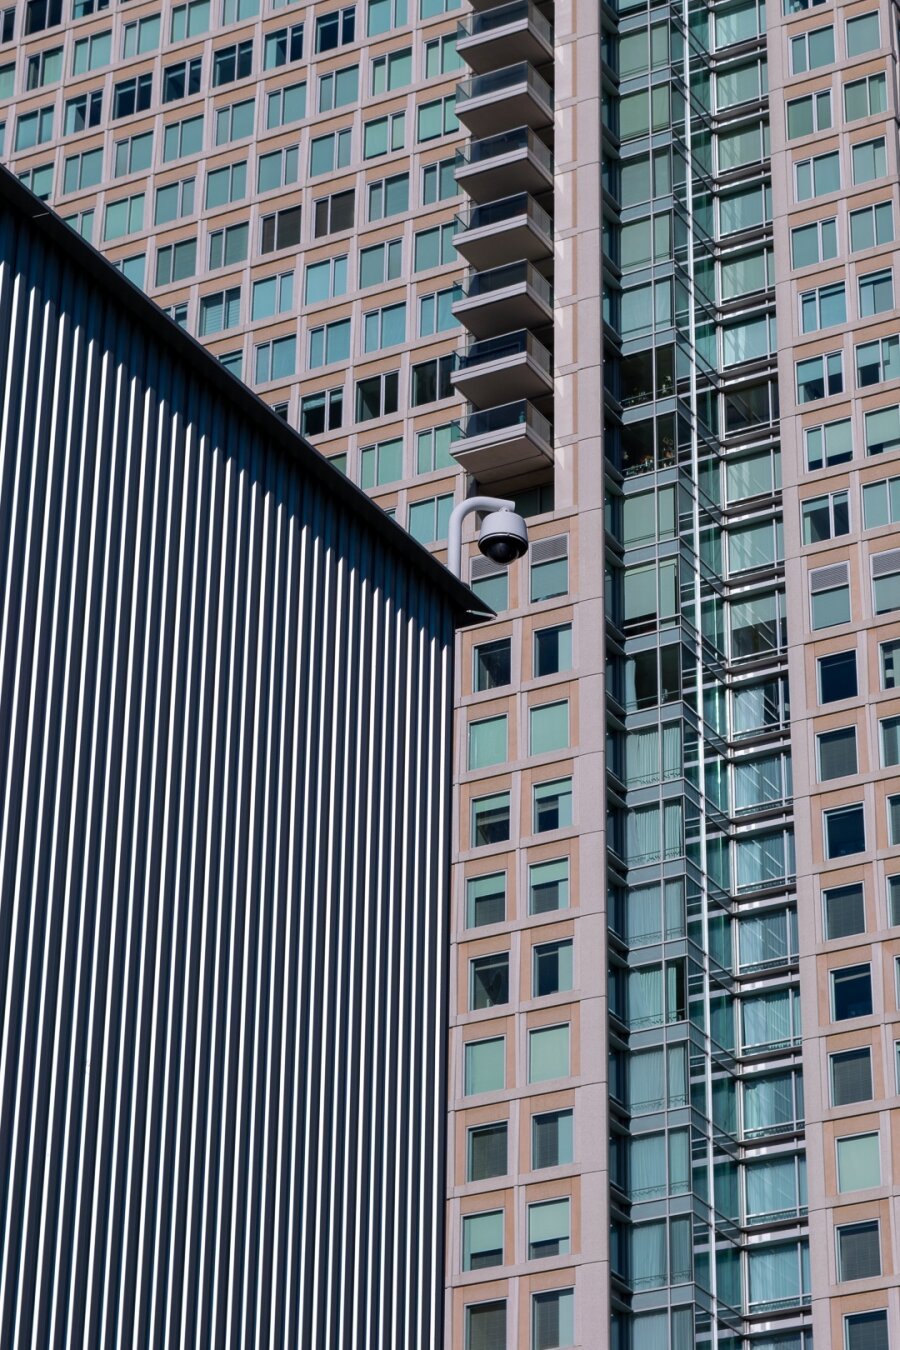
(454, 533)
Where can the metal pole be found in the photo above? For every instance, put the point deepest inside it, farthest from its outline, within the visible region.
(454, 533)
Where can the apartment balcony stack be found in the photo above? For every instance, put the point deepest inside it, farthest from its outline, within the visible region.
(506, 236)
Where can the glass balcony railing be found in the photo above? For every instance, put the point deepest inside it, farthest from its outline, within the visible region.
(508, 208)
(506, 143)
(508, 415)
(486, 22)
(499, 81)
(498, 348)
(510, 274)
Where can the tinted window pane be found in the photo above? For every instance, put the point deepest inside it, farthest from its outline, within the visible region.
(851, 1077)
(490, 980)
(845, 912)
(551, 1139)
(487, 1152)
(851, 992)
(845, 832)
(486, 900)
(837, 677)
(548, 886)
(493, 664)
(837, 753)
(552, 650)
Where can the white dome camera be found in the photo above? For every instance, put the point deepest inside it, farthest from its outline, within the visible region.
(503, 537)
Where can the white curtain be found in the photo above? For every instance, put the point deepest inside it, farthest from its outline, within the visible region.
(642, 915)
(643, 834)
(772, 1186)
(671, 750)
(767, 1018)
(763, 938)
(672, 814)
(645, 996)
(674, 907)
(646, 1083)
(648, 1166)
(768, 1101)
(648, 1255)
(774, 1273)
(642, 757)
(679, 1161)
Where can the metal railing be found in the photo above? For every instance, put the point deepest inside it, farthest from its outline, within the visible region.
(499, 81)
(503, 15)
(508, 344)
(502, 418)
(510, 274)
(507, 208)
(506, 143)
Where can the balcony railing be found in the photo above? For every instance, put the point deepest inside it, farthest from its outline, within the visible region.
(754, 1132)
(499, 81)
(506, 143)
(520, 343)
(510, 274)
(501, 16)
(518, 414)
(508, 208)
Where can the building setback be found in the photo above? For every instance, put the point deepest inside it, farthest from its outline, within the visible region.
(225, 694)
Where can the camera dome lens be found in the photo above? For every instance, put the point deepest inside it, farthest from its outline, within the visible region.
(504, 550)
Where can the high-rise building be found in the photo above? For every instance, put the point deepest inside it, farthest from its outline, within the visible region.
(675, 994)
(226, 697)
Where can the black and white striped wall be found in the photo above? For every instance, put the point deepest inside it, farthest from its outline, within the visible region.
(225, 693)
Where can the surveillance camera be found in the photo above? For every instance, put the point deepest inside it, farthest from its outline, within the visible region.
(503, 537)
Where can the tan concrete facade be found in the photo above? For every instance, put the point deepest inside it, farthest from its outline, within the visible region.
(827, 1031)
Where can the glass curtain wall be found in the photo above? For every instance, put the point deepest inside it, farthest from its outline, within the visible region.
(705, 1015)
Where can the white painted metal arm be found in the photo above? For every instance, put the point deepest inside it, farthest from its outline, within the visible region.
(454, 534)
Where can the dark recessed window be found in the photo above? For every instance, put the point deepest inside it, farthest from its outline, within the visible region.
(851, 992)
(552, 650)
(551, 1139)
(845, 911)
(493, 664)
(837, 753)
(845, 831)
(487, 1151)
(552, 805)
(859, 1251)
(486, 1325)
(552, 968)
(890, 664)
(893, 894)
(489, 980)
(866, 1331)
(490, 819)
(837, 677)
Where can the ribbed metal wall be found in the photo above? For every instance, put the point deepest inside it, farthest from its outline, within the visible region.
(224, 719)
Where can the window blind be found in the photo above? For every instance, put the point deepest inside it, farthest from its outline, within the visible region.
(851, 1076)
(859, 1252)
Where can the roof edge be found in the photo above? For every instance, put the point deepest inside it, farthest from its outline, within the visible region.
(467, 605)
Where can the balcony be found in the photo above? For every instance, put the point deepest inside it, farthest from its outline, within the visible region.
(515, 227)
(512, 444)
(503, 299)
(513, 161)
(515, 363)
(505, 33)
(502, 99)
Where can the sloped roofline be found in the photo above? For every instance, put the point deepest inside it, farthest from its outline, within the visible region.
(468, 607)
